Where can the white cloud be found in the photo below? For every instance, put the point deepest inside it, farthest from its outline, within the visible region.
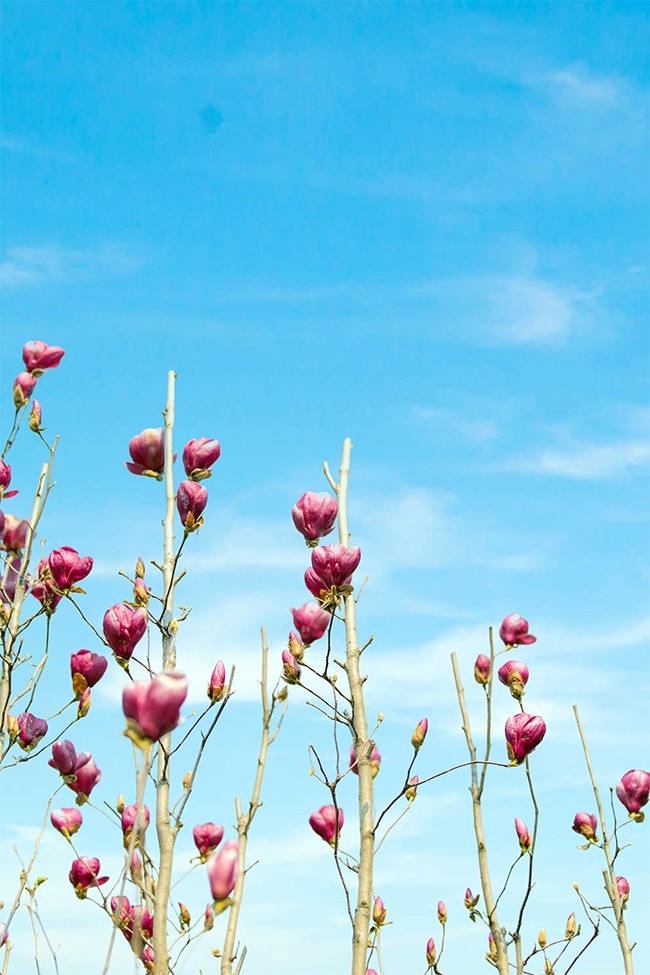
(529, 311)
(586, 461)
(54, 262)
(578, 86)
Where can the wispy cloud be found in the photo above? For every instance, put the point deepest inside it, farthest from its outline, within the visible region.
(26, 147)
(530, 311)
(26, 266)
(578, 86)
(586, 461)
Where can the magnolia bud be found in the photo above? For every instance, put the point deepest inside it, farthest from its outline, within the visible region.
(184, 915)
(570, 930)
(482, 669)
(431, 952)
(120, 804)
(412, 790)
(378, 912)
(420, 733)
(442, 912)
(541, 938)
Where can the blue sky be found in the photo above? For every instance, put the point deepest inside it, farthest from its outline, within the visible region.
(424, 226)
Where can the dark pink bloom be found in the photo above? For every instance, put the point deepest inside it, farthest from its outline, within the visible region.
(148, 453)
(482, 669)
(334, 564)
(32, 730)
(514, 674)
(290, 667)
(524, 837)
(311, 621)
(375, 761)
(123, 628)
(129, 817)
(5, 481)
(68, 567)
(623, 889)
(523, 734)
(514, 630)
(67, 821)
(84, 873)
(153, 707)
(199, 456)
(314, 515)
(191, 499)
(35, 417)
(44, 589)
(315, 584)
(222, 870)
(442, 912)
(124, 915)
(24, 385)
(324, 823)
(207, 838)
(66, 760)
(217, 685)
(15, 535)
(39, 356)
(633, 791)
(85, 781)
(586, 825)
(431, 952)
(86, 669)
(420, 733)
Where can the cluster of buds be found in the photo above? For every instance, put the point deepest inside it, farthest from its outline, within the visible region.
(134, 921)
(375, 760)
(633, 791)
(523, 733)
(327, 823)
(84, 874)
(314, 515)
(37, 357)
(152, 708)
(330, 575)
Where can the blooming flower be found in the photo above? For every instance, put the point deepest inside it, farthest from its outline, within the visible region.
(199, 456)
(24, 385)
(147, 453)
(31, 731)
(123, 628)
(84, 781)
(324, 823)
(15, 534)
(68, 567)
(207, 838)
(191, 499)
(222, 871)
(523, 734)
(514, 631)
(314, 516)
(586, 825)
(5, 481)
(152, 707)
(39, 356)
(84, 873)
(633, 791)
(66, 760)
(514, 674)
(311, 622)
(86, 669)
(67, 821)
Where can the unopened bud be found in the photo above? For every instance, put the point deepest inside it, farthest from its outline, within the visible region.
(412, 790)
(35, 417)
(570, 930)
(187, 781)
(378, 912)
(139, 569)
(431, 953)
(442, 912)
(470, 900)
(420, 733)
(85, 702)
(282, 694)
(541, 938)
(482, 669)
(492, 952)
(120, 804)
(184, 915)
(548, 967)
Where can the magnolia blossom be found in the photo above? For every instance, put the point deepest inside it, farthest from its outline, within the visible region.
(633, 791)
(222, 871)
(207, 838)
(514, 674)
(5, 481)
(334, 564)
(15, 534)
(85, 781)
(514, 631)
(324, 822)
(67, 821)
(623, 888)
(191, 499)
(39, 356)
(311, 622)
(314, 515)
(524, 837)
(523, 734)
(31, 730)
(66, 760)
(86, 669)
(482, 669)
(152, 707)
(586, 825)
(129, 819)
(84, 873)
(123, 628)
(199, 456)
(24, 385)
(375, 761)
(67, 567)
(217, 684)
(147, 453)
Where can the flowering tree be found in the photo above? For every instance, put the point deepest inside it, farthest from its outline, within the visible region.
(139, 901)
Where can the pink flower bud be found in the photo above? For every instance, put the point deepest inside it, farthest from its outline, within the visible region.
(191, 499)
(482, 669)
(15, 534)
(311, 622)
(633, 791)
(68, 567)
(123, 915)
(324, 823)
(84, 873)
(217, 685)
(152, 707)
(525, 841)
(86, 669)
(222, 871)
(375, 761)
(442, 912)
(148, 453)
(39, 356)
(378, 912)
(207, 838)
(85, 702)
(32, 730)
(412, 789)
(123, 628)
(492, 952)
(296, 646)
(371, 971)
(148, 959)
(514, 674)
(314, 516)
(44, 589)
(5, 481)
(431, 952)
(129, 818)
(67, 821)
(514, 631)
(523, 734)
(66, 760)
(35, 418)
(586, 825)
(135, 868)
(420, 733)
(199, 456)
(470, 900)
(334, 564)
(24, 385)
(623, 889)
(570, 930)
(85, 781)
(208, 918)
(290, 668)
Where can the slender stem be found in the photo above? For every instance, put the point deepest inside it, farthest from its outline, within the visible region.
(486, 883)
(609, 874)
